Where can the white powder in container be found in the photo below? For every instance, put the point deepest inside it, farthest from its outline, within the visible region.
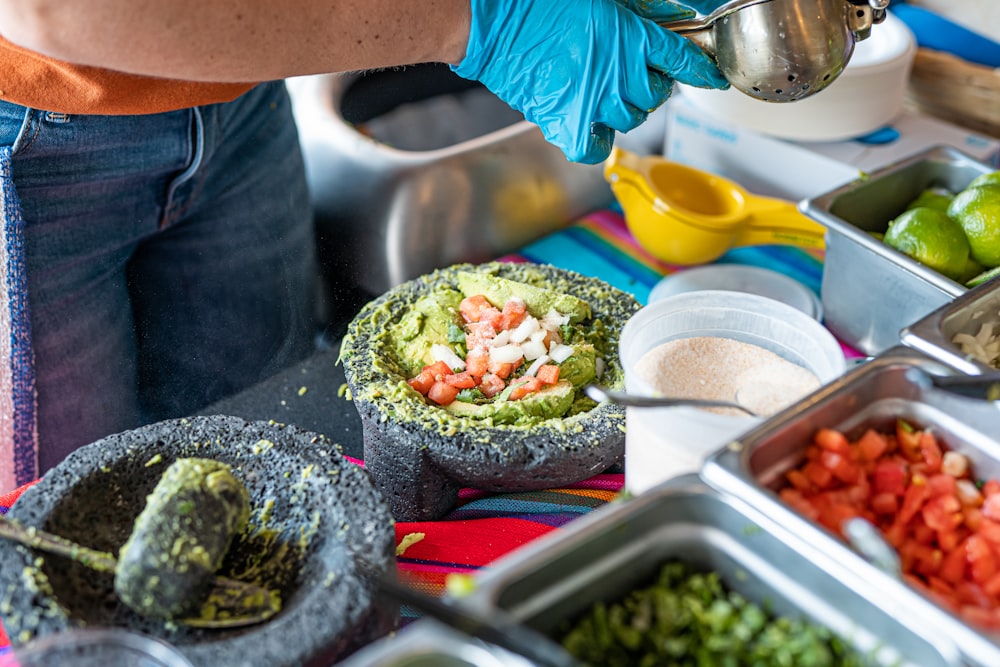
(717, 368)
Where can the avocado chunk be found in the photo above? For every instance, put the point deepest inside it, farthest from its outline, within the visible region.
(539, 300)
(425, 324)
(167, 566)
(581, 367)
(549, 402)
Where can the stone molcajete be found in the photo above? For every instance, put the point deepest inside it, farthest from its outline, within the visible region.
(420, 454)
(317, 529)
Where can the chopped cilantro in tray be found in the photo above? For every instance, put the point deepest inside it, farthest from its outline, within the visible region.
(689, 618)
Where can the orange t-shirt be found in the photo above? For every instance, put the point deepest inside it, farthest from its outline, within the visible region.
(33, 80)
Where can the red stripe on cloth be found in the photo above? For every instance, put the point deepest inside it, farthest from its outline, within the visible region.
(466, 544)
(459, 547)
(9, 498)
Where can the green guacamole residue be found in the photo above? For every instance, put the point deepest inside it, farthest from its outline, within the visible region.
(167, 565)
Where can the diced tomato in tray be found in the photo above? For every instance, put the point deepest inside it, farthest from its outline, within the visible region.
(943, 523)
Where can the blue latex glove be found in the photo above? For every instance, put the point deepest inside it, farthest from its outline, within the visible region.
(582, 69)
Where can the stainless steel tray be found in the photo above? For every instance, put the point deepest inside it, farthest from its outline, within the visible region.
(427, 643)
(875, 394)
(611, 551)
(934, 334)
(869, 290)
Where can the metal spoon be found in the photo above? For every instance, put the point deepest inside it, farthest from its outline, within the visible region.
(600, 394)
(981, 387)
(242, 603)
(865, 538)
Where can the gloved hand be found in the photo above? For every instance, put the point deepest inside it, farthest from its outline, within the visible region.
(582, 69)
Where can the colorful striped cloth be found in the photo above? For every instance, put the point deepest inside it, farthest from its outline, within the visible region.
(484, 527)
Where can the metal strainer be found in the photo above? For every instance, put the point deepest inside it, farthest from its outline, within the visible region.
(782, 50)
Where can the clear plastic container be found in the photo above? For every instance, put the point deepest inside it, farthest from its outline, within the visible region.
(95, 647)
(661, 443)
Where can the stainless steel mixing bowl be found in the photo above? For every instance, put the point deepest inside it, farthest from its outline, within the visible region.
(418, 192)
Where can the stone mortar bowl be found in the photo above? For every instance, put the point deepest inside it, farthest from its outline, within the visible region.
(314, 515)
(419, 455)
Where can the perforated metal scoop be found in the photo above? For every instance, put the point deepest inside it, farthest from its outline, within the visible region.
(782, 50)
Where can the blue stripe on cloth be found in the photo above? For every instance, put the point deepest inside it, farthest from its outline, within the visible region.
(793, 262)
(21, 362)
(571, 251)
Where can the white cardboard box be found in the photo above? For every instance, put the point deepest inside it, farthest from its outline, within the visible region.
(791, 170)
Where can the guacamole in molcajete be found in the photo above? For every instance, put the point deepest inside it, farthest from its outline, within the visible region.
(472, 375)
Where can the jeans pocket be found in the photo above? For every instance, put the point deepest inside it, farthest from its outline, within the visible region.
(15, 125)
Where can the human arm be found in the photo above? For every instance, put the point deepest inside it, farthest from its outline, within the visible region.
(239, 40)
(580, 69)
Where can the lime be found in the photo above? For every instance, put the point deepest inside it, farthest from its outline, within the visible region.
(988, 274)
(977, 211)
(937, 198)
(932, 238)
(991, 178)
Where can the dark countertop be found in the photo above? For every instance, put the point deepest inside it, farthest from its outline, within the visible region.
(307, 395)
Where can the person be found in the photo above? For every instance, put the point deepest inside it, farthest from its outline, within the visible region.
(158, 242)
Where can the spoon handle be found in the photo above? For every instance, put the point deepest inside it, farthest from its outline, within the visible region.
(39, 539)
(599, 393)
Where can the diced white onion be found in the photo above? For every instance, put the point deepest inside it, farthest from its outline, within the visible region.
(501, 338)
(539, 336)
(536, 364)
(954, 464)
(505, 354)
(533, 349)
(524, 330)
(444, 353)
(553, 320)
(560, 352)
(967, 492)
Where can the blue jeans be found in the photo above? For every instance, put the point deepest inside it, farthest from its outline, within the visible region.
(170, 259)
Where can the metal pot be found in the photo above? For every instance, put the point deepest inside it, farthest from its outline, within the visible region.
(413, 169)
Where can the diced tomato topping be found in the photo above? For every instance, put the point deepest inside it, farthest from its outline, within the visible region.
(463, 380)
(501, 369)
(491, 385)
(547, 373)
(525, 386)
(513, 313)
(924, 501)
(930, 451)
(913, 500)
(990, 530)
(841, 466)
(494, 317)
(478, 336)
(885, 503)
(438, 370)
(942, 513)
(942, 485)
(818, 474)
(991, 506)
(831, 440)
(872, 445)
(422, 382)
(442, 393)
(477, 362)
(471, 308)
(890, 477)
